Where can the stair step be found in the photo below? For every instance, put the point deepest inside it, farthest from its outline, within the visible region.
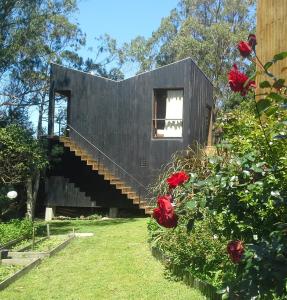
(110, 177)
(95, 165)
(114, 182)
(68, 144)
(102, 170)
(130, 195)
(91, 162)
(136, 200)
(72, 146)
(16, 261)
(65, 140)
(119, 186)
(79, 153)
(85, 157)
(148, 211)
(125, 189)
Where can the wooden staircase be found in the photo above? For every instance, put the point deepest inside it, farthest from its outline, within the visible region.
(98, 167)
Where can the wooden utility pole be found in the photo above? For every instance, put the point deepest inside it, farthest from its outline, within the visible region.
(271, 33)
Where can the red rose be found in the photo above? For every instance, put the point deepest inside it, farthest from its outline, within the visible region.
(235, 250)
(164, 213)
(239, 82)
(176, 179)
(252, 41)
(244, 49)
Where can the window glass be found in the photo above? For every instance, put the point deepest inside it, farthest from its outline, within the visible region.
(167, 113)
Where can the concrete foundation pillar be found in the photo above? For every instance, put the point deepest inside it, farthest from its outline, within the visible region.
(113, 213)
(50, 213)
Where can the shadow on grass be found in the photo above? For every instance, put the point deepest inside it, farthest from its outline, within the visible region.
(67, 226)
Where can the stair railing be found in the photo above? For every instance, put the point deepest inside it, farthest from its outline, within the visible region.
(102, 158)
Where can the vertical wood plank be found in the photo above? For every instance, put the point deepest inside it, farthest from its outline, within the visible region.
(271, 35)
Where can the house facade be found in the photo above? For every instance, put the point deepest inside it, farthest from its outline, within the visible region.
(124, 131)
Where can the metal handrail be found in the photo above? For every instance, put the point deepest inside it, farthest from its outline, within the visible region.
(155, 119)
(110, 159)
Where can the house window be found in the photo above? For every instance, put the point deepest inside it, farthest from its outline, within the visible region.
(167, 113)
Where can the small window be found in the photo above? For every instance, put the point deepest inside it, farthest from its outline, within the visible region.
(167, 113)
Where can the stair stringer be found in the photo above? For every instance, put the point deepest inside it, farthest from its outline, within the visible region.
(108, 175)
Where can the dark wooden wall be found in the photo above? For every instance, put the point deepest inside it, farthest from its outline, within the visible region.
(60, 191)
(117, 116)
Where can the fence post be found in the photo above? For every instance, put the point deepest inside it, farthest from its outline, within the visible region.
(48, 230)
(33, 238)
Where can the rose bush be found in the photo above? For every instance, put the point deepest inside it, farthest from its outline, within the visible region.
(232, 213)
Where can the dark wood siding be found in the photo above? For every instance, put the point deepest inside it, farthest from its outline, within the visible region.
(117, 116)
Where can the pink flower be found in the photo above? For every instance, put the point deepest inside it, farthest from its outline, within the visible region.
(244, 49)
(164, 213)
(177, 179)
(235, 250)
(239, 82)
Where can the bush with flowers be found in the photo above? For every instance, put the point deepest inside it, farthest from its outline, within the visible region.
(229, 210)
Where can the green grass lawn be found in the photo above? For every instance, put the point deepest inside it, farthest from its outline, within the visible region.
(114, 264)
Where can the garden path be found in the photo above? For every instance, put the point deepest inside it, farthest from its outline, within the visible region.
(113, 264)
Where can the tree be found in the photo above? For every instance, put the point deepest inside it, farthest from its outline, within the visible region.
(205, 30)
(50, 36)
(32, 35)
(21, 156)
(107, 59)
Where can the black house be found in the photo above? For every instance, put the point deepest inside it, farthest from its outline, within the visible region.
(121, 132)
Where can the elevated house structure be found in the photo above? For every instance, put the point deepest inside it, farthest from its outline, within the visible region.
(120, 133)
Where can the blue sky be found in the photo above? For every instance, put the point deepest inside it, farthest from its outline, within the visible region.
(122, 19)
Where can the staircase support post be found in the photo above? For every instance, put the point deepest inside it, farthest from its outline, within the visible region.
(50, 213)
(113, 212)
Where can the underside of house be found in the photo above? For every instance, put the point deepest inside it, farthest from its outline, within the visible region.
(113, 137)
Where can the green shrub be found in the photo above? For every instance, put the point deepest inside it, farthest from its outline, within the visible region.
(15, 229)
(238, 194)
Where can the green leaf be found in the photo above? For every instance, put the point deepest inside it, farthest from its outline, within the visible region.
(189, 225)
(276, 97)
(191, 204)
(278, 84)
(263, 104)
(280, 56)
(200, 183)
(265, 84)
(268, 65)
(202, 202)
(271, 110)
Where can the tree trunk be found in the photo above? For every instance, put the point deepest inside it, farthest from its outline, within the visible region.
(40, 120)
(29, 189)
(32, 187)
